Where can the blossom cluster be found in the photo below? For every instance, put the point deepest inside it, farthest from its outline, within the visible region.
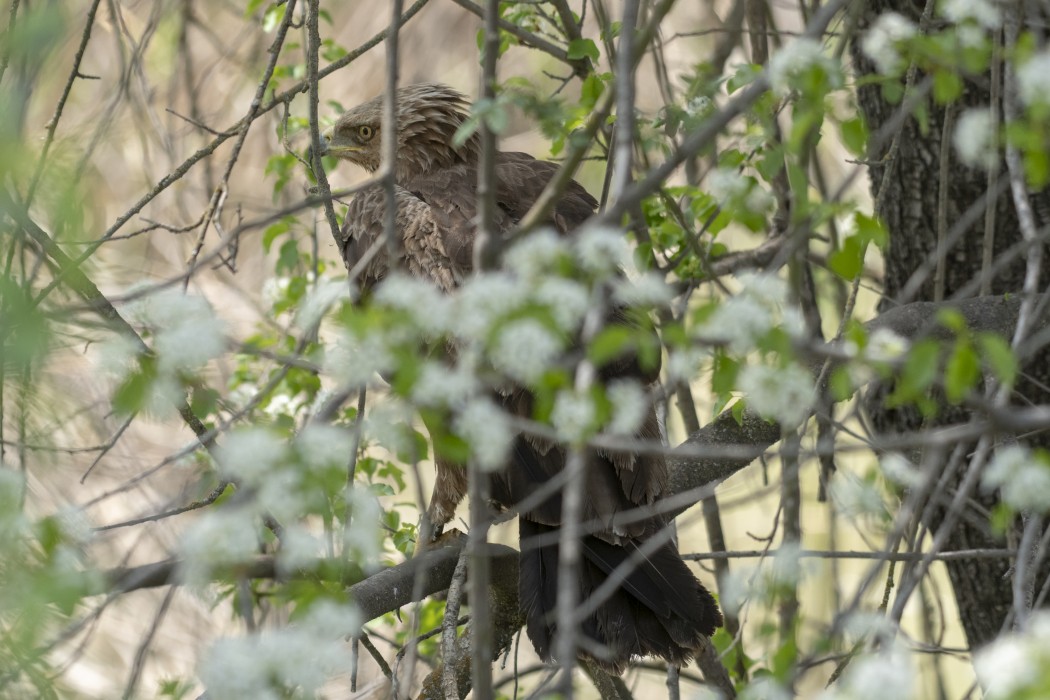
(503, 329)
(1022, 477)
(1017, 665)
(276, 662)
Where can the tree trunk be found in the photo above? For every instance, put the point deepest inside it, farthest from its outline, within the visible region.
(909, 210)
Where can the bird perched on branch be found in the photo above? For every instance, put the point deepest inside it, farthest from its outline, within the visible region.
(659, 609)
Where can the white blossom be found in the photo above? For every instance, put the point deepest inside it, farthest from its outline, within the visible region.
(762, 303)
(280, 404)
(974, 140)
(567, 300)
(864, 624)
(75, 525)
(737, 588)
(242, 395)
(882, 41)
(971, 36)
(784, 394)
(355, 360)
(887, 673)
(855, 497)
(740, 321)
(900, 471)
(1033, 79)
(524, 350)
(787, 564)
(321, 447)
(573, 416)
(649, 289)
(278, 663)
(165, 393)
(441, 385)
(630, 406)
(727, 184)
(684, 364)
(885, 345)
(331, 620)
(766, 287)
(985, 13)
(427, 306)
(1006, 666)
(759, 200)
(795, 59)
(1022, 478)
(281, 494)
(117, 355)
(364, 539)
(602, 250)
(1014, 665)
(793, 322)
(387, 423)
(190, 345)
(487, 430)
(486, 298)
(186, 332)
(275, 288)
(320, 298)
(699, 106)
(220, 537)
(299, 548)
(535, 254)
(251, 455)
(765, 688)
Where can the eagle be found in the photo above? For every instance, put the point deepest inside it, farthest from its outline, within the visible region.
(660, 609)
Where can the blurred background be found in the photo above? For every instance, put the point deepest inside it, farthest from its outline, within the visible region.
(159, 79)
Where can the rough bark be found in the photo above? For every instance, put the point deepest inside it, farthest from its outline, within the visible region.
(909, 211)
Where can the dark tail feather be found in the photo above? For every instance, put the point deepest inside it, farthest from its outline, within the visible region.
(660, 609)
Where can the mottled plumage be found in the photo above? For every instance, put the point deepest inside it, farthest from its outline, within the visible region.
(660, 609)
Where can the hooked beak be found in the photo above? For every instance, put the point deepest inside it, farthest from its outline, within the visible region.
(326, 139)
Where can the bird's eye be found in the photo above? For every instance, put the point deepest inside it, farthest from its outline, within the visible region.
(365, 132)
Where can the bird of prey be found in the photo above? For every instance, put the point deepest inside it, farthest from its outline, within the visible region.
(660, 609)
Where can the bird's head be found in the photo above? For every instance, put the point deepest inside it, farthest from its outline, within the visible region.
(428, 116)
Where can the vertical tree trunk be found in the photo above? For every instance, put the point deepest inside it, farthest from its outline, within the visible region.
(909, 210)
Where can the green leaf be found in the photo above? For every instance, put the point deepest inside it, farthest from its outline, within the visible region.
(841, 384)
(918, 373)
(724, 372)
(1037, 168)
(871, 229)
(855, 135)
(745, 75)
(610, 343)
(273, 17)
(947, 86)
(738, 412)
(582, 48)
(999, 357)
(493, 113)
(592, 88)
(204, 401)
(132, 394)
(771, 163)
(848, 261)
(288, 257)
(961, 372)
(272, 232)
(953, 320)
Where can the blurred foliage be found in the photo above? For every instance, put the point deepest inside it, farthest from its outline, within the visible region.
(279, 377)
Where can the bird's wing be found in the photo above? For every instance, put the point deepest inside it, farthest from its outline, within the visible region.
(422, 235)
(520, 179)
